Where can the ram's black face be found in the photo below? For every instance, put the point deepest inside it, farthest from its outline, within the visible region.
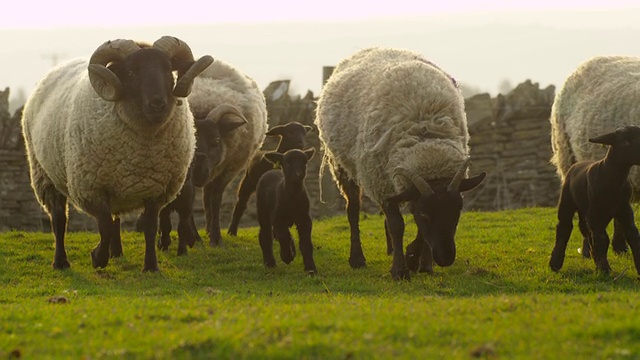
(208, 151)
(147, 84)
(437, 218)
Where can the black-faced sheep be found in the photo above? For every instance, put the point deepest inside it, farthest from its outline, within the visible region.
(597, 98)
(221, 92)
(394, 124)
(599, 192)
(111, 135)
(282, 202)
(292, 136)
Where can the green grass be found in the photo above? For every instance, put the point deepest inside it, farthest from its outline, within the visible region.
(498, 300)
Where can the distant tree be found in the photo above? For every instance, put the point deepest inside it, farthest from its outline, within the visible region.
(17, 99)
(505, 87)
(470, 90)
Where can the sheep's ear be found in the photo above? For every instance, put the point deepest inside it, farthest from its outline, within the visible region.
(411, 193)
(606, 139)
(307, 128)
(274, 157)
(276, 130)
(310, 152)
(229, 122)
(472, 182)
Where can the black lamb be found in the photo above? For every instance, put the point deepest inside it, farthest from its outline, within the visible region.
(282, 202)
(599, 191)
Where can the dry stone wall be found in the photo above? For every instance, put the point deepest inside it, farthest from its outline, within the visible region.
(510, 140)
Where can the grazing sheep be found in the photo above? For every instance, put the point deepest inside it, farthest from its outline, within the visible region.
(224, 96)
(599, 191)
(111, 135)
(598, 97)
(291, 137)
(282, 202)
(393, 124)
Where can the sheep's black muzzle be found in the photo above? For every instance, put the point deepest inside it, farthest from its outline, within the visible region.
(444, 254)
(201, 170)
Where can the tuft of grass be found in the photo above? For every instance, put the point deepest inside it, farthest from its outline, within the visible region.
(498, 300)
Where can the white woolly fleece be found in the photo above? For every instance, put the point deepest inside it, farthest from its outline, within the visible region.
(221, 84)
(76, 141)
(601, 95)
(383, 108)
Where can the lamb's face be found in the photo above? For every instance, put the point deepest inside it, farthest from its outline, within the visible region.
(147, 84)
(294, 165)
(292, 135)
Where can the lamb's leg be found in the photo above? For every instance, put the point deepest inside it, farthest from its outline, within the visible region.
(247, 187)
(213, 196)
(265, 237)
(115, 244)
(600, 246)
(287, 245)
(627, 224)
(165, 229)
(586, 235)
(304, 226)
(151, 211)
(618, 242)
(106, 225)
(399, 270)
(566, 210)
(56, 204)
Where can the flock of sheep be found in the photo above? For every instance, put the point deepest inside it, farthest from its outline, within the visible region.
(140, 126)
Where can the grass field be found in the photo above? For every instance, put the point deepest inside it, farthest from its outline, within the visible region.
(498, 300)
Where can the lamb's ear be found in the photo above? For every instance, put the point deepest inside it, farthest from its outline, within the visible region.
(227, 116)
(472, 182)
(274, 157)
(276, 130)
(606, 139)
(309, 152)
(411, 193)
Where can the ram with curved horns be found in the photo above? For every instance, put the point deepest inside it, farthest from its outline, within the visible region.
(110, 135)
(393, 124)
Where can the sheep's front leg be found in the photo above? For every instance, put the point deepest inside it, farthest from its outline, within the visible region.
(627, 224)
(56, 205)
(306, 246)
(566, 210)
(213, 199)
(165, 229)
(151, 213)
(115, 245)
(352, 193)
(399, 270)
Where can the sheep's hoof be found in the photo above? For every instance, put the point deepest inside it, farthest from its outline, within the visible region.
(270, 263)
(163, 245)
(151, 268)
(61, 264)
(182, 250)
(426, 270)
(215, 243)
(287, 257)
(98, 261)
(311, 272)
(357, 262)
(620, 250)
(232, 231)
(403, 274)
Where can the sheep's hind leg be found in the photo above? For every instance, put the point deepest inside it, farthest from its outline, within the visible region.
(106, 225)
(399, 270)
(116, 241)
(306, 246)
(56, 205)
(352, 194)
(165, 229)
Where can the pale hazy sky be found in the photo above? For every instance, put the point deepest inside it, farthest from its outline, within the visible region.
(481, 43)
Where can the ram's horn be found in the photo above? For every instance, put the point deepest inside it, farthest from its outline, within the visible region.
(178, 49)
(422, 186)
(103, 81)
(457, 178)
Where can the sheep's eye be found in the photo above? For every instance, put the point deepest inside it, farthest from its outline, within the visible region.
(130, 73)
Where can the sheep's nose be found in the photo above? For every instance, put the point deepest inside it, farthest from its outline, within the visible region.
(157, 105)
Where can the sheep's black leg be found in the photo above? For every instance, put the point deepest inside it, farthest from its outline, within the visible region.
(194, 230)
(165, 229)
(115, 244)
(586, 236)
(399, 270)
(287, 245)
(185, 227)
(213, 196)
(388, 238)
(627, 224)
(426, 259)
(56, 205)
(618, 242)
(413, 252)
(247, 187)
(265, 237)
(100, 254)
(151, 211)
(306, 247)
(600, 246)
(356, 256)
(566, 210)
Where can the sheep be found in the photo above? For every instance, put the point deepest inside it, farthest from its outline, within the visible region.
(393, 124)
(599, 191)
(223, 95)
(111, 135)
(292, 136)
(282, 202)
(209, 132)
(598, 97)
